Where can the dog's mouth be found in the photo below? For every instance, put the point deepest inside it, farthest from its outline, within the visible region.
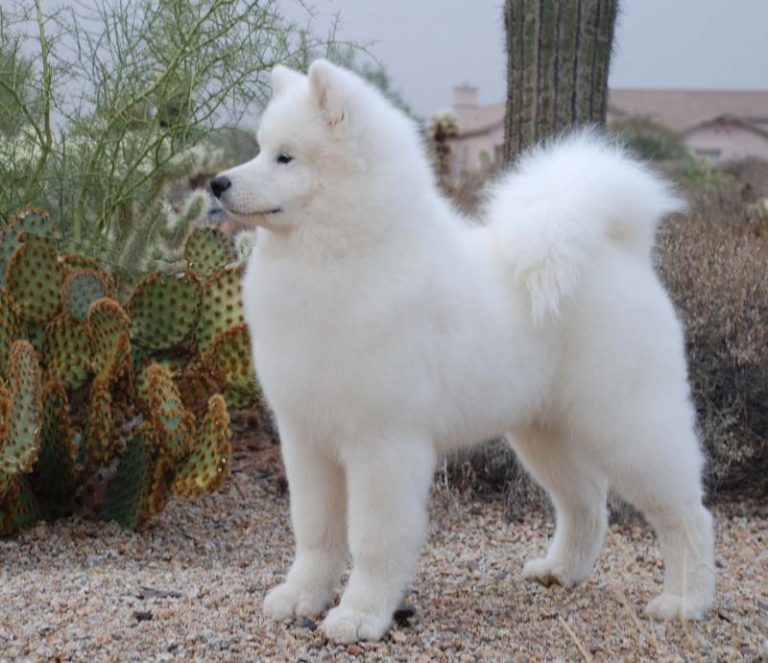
(251, 217)
(265, 212)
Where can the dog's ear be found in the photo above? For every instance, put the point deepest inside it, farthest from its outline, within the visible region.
(328, 86)
(283, 78)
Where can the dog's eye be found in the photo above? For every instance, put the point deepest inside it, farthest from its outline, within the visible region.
(284, 158)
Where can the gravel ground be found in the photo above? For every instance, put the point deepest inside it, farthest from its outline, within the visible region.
(190, 588)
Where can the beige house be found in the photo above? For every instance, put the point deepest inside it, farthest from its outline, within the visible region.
(715, 125)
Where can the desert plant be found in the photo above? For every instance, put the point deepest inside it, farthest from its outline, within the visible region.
(442, 129)
(648, 139)
(152, 80)
(713, 262)
(701, 177)
(113, 408)
(558, 55)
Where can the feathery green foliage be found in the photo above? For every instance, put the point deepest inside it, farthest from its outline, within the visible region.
(106, 105)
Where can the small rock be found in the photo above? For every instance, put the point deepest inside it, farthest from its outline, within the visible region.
(403, 614)
(142, 615)
(307, 623)
(355, 650)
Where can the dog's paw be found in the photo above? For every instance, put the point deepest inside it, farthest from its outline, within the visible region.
(287, 601)
(674, 606)
(549, 573)
(346, 625)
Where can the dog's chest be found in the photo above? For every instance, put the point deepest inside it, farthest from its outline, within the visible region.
(315, 333)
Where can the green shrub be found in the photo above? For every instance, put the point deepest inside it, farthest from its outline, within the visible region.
(648, 139)
(112, 104)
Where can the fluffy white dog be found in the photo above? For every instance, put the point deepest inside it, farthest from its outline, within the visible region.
(387, 330)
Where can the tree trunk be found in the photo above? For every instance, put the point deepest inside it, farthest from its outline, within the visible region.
(558, 53)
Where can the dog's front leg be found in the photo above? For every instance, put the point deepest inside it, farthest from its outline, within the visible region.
(388, 489)
(318, 516)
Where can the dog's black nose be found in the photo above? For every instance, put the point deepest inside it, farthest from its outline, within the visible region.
(219, 185)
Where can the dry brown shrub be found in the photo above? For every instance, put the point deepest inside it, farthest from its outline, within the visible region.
(714, 262)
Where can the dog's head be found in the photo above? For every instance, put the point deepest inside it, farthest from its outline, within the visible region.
(319, 134)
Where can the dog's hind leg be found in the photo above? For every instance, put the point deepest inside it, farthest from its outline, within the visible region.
(579, 493)
(318, 516)
(664, 483)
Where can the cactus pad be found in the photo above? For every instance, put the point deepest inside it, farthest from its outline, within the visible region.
(30, 221)
(207, 249)
(81, 288)
(55, 476)
(9, 483)
(222, 306)
(74, 262)
(5, 410)
(172, 422)
(111, 344)
(228, 358)
(34, 277)
(209, 463)
(68, 350)
(163, 310)
(34, 332)
(98, 441)
(127, 494)
(10, 327)
(19, 508)
(196, 384)
(160, 489)
(20, 446)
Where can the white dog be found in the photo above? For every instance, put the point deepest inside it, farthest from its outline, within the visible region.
(387, 330)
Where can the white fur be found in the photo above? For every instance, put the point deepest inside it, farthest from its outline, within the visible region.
(387, 330)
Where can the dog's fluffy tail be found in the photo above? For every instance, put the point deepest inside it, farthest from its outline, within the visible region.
(563, 202)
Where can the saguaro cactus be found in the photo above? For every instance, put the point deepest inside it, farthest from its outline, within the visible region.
(558, 53)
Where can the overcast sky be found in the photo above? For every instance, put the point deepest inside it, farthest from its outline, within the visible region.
(429, 45)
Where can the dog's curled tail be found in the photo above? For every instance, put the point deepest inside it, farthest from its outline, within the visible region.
(563, 202)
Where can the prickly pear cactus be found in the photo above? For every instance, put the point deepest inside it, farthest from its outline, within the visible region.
(20, 443)
(81, 288)
(20, 419)
(27, 221)
(67, 348)
(208, 464)
(164, 309)
(222, 305)
(34, 277)
(129, 489)
(172, 423)
(207, 250)
(55, 477)
(112, 408)
(229, 358)
(10, 327)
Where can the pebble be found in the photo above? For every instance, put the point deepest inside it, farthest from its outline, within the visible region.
(68, 590)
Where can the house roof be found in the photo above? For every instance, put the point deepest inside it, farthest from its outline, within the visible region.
(479, 119)
(680, 110)
(683, 109)
(729, 120)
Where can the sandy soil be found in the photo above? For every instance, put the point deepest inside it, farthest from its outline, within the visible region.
(190, 588)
